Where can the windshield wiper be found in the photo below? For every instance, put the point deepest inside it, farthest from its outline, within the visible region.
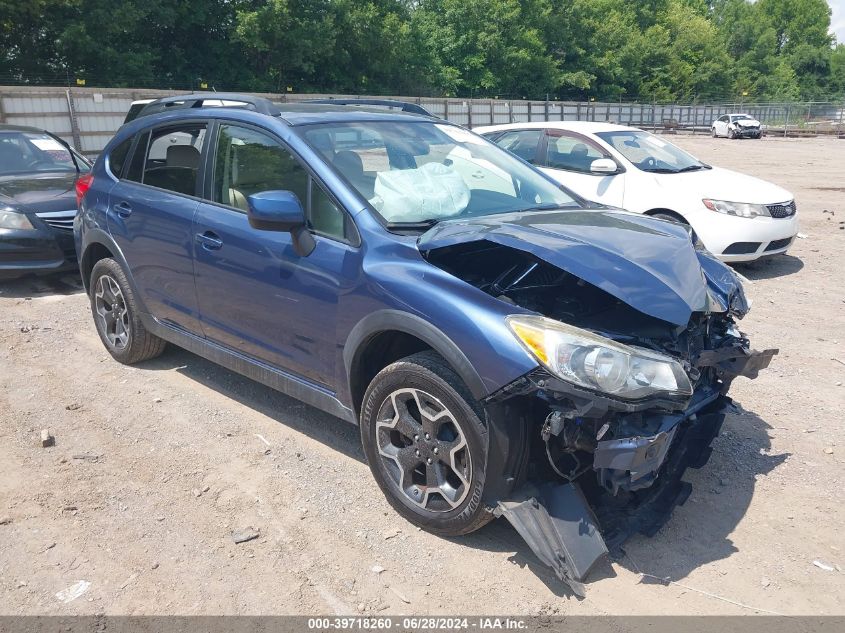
(660, 170)
(694, 168)
(419, 225)
(548, 206)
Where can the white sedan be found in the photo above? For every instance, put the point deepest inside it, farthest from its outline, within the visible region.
(736, 126)
(737, 217)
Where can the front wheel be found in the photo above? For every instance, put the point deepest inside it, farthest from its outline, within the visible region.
(426, 444)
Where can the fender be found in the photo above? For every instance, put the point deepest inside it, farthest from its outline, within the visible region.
(96, 235)
(397, 320)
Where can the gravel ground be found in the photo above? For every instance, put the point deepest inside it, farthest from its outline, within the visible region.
(155, 466)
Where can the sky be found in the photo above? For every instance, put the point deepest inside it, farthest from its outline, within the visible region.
(837, 20)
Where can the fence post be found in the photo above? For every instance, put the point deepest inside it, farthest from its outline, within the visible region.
(469, 113)
(546, 108)
(786, 123)
(446, 109)
(2, 110)
(510, 111)
(492, 110)
(74, 124)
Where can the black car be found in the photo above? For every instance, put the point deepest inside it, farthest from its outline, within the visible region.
(38, 173)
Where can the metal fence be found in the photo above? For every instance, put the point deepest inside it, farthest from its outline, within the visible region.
(88, 117)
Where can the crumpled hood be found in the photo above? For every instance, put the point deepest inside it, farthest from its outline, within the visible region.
(649, 264)
(747, 123)
(34, 188)
(722, 184)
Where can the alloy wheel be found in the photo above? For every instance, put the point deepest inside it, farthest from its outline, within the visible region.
(112, 314)
(424, 450)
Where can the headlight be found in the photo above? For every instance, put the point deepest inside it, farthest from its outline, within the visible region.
(739, 209)
(596, 362)
(13, 220)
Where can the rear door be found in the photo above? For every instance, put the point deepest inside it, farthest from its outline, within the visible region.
(567, 156)
(150, 216)
(256, 295)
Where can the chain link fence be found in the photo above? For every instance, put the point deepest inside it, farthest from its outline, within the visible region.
(88, 117)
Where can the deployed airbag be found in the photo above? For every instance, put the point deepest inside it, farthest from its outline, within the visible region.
(411, 195)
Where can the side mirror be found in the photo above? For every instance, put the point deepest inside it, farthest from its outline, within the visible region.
(281, 211)
(603, 166)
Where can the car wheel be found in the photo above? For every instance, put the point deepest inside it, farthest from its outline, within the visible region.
(426, 444)
(713, 132)
(732, 133)
(116, 316)
(668, 216)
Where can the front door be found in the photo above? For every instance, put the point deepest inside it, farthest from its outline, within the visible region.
(256, 295)
(150, 216)
(567, 157)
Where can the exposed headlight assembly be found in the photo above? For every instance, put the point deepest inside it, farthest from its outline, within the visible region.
(595, 362)
(739, 209)
(10, 219)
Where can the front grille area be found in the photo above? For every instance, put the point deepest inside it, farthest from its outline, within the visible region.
(782, 209)
(741, 248)
(62, 220)
(776, 245)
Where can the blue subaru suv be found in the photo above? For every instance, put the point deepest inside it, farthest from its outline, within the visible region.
(507, 348)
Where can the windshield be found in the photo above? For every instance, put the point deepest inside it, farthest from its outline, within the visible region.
(424, 172)
(650, 153)
(23, 152)
(741, 117)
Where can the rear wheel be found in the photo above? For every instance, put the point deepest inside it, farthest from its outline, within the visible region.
(713, 132)
(426, 444)
(116, 316)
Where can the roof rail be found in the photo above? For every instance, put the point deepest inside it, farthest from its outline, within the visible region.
(405, 106)
(197, 99)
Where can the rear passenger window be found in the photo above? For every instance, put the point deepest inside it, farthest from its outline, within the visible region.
(172, 158)
(118, 155)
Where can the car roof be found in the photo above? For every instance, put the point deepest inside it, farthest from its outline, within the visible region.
(5, 127)
(585, 127)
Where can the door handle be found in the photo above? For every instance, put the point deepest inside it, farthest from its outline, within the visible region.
(210, 240)
(123, 209)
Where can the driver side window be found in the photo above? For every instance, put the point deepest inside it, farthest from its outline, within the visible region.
(248, 161)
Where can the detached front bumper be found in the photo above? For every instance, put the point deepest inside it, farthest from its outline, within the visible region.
(638, 475)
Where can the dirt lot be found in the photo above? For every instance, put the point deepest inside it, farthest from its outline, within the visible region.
(155, 466)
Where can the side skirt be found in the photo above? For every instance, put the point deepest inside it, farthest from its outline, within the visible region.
(289, 384)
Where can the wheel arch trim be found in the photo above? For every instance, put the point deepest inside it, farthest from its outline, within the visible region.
(411, 324)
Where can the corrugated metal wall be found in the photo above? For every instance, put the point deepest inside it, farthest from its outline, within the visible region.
(88, 117)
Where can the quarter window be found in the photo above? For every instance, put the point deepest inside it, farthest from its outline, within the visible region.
(118, 155)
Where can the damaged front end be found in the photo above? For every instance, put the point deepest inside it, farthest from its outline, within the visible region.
(636, 347)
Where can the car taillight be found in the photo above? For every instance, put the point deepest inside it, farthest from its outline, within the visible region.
(83, 184)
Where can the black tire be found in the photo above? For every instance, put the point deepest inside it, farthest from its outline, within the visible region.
(139, 344)
(662, 215)
(713, 131)
(732, 134)
(428, 374)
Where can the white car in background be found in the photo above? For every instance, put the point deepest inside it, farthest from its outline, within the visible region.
(738, 218)
(736, 126)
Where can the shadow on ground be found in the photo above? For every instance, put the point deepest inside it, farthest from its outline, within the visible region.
(770, 267)
(32, 286)
(696, 534)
